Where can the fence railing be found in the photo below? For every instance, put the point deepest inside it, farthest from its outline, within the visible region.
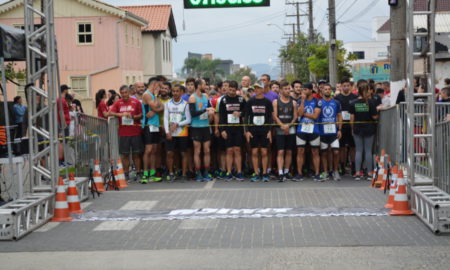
(392, 137)
(91, 142)
(443, 156)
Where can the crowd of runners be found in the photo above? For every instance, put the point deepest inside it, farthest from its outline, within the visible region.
(236, 131)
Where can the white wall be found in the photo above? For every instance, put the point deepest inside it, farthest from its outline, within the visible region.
(374, 50)
(377, 22)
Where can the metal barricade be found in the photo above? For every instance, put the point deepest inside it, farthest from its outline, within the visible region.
(91, 143)
(389, 133)
(443, 156)
(113, 131)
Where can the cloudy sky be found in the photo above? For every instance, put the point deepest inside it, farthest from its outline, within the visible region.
(242, 34)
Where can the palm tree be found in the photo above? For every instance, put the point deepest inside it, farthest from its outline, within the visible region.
(203, 68)
(191, 66)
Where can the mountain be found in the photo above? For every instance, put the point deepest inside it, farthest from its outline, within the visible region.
(259, 69)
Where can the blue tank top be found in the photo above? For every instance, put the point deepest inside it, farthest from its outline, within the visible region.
(154, 120)
(202, 120)
(311, 127)
(330, 110)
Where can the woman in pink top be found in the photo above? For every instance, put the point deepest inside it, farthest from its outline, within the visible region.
(100, 104)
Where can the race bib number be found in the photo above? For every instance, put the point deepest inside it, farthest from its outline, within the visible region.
(307, 128)
(292, 130)
(259, 120)
(175, 118)
(233, 119)
(126, 121)
(345, 116)
(153, 128)
(204, 116)
(329, 129)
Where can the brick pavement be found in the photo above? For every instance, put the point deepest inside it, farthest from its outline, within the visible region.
(240, 233)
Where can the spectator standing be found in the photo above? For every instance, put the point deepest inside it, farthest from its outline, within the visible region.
(19, 111)
(100, 104)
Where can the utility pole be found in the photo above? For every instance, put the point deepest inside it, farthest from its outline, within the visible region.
(332, 58)
(297, 13)
(398, 44)
(294, 35)
(311, 21)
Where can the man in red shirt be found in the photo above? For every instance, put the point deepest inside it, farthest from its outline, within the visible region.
(63, 127)
(129, 112)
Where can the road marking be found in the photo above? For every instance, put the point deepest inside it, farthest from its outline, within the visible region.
(198, 224)
(139, 205)
(47, 227)
(210, 184)
(125, 225)
(84, 205)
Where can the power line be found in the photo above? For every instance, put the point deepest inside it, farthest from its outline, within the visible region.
(345, 12)
(363, 11)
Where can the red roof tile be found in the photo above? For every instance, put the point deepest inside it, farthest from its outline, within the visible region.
(386, 27)
(158, 16)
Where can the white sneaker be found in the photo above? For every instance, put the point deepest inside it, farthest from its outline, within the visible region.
(336, 176)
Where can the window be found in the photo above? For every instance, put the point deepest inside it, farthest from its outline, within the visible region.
(359, 54)
(169, 48)
(19, 26)
(85, 34)
(127, 80)
(126, 33)
(164, 49)
(132, 36)
(79, 85)
(382, 54)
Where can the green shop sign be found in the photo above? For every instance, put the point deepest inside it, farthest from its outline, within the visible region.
(225, 3)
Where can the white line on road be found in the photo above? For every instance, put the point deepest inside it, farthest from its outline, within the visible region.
(47, 227)
(125, 225)
(139, 205)
(210, 184)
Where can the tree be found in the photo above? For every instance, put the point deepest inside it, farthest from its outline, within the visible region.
(203, 68)
(238, 74)
(318, 61)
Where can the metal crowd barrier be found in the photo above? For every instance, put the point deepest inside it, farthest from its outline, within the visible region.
(113, 131)
(91, 143)
(443, 156)
(390, 134)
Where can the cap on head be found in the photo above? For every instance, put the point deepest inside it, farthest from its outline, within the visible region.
(257, 85)
(64, 87)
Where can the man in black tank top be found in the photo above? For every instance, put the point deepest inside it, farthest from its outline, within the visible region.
(285, 115)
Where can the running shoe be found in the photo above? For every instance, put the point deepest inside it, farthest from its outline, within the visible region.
(357, 176)
(199, 177)
(183, 178)
(336, 176)
(288, 176)
(281, 178)
(207, 177)
(144, 179)
(297, 178)
(254, 177)
(239, 177)
(170, 178)
(228, 177)
(265, 178)
(317, 178)
(324, 176)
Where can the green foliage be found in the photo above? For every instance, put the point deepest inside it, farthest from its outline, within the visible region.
(202, 68)
(238, 74)
(313, 58)
(13, 73)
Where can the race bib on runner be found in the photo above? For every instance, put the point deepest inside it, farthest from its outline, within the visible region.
(233, 119)
(259, 120)
(153, 128)
(329, 129)
(345, 116)
(307, 128)
(292, 130)
(126, 121)
(174, 118)
(203, 116)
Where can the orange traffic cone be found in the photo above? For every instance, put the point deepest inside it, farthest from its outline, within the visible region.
(120, 177)
(392, 188)
(381, 176)
(401, 204)
(375, 172)
(98, 180)
(61, 206)
(383, 153)
(72, 196)
(386, 172)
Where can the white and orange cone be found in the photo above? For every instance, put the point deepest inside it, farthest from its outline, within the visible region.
(98, 180)
(401, 203)
(72, 197)
(392, 188)
(381, 176)
(61, 213)
(120, 176)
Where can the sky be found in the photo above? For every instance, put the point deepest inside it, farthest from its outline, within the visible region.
(243, 34)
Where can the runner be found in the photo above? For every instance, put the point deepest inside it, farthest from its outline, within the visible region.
(259, 115)
(231, 108)
(129, 112)
(346, 142)
(190, 89)
(218, 142)
(308, 132)
(363, 110)
(285, 115)
(330, 132)
(201, 110)
(151, 129)
(297, 90)
(176, 120)
(164, 96)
